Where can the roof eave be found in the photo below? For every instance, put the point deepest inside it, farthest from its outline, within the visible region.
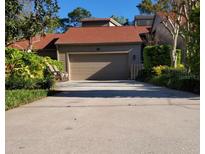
(99, 43)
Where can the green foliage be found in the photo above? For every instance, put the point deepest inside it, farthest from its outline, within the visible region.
(144, 75)
(176, 78)
(149, 6)
(28, 70)
(194, 42)
(157, 70)
(15, 98)
(74, 18)
(145, 7)
(42, 18)
(27, 19)
(185, 83)
(12, 23)
(179, 57)
(156, 55)
(122, 20)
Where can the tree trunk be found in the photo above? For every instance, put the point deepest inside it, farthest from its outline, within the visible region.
(30, 45)
(173, 52)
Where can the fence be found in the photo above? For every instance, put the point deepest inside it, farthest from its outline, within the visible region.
(135, 70)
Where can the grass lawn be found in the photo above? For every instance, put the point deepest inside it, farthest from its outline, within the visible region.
(15, 98)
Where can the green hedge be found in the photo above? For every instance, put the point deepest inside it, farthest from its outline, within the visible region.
(175, 78)
(15, 98)
(28, 70)
(158, 55)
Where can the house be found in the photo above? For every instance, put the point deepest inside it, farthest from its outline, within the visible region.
(42, 45)
(143, 20)
(161, 35)
(101, 49)
(100, 52)
(95, 22)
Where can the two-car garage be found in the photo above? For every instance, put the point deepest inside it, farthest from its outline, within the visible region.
(101, 66)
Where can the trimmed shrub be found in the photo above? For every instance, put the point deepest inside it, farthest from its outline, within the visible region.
(176, 78)
(28, 70)
(159, 80)
(159, 55)
(156, 55)
(190, 84)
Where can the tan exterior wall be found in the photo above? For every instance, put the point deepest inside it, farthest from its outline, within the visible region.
(62, 56)
(130, 49)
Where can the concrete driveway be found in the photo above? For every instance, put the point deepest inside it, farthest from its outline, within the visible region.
(106, 117)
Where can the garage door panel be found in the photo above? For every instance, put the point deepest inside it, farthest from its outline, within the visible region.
(99, 66)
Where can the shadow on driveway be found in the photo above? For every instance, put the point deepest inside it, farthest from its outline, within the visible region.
(153, 93)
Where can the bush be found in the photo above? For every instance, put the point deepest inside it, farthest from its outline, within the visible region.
(157, 70)
(176, 78)
(143, 75)
(28, 70)
(158, 55)
(15, 98)
(190, 84)
(159, 80)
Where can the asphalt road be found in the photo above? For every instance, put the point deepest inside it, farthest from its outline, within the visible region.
(106, 117)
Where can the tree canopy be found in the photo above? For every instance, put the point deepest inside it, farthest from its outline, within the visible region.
(26, 19)
(73, 18)
(150, 7)
(12, 22)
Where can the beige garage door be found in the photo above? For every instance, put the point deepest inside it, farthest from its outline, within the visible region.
(99, 66)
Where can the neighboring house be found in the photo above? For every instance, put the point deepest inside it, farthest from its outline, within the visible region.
(143, 20)
(43, 45)
(160, 34)
(95, 22)
(101, 49)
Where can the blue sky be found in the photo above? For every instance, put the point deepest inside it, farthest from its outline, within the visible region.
(101, 8)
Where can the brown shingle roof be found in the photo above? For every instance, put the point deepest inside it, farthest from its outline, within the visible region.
(101, 35)
(39, 42)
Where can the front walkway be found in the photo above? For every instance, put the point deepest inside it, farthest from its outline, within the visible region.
(118, 117)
